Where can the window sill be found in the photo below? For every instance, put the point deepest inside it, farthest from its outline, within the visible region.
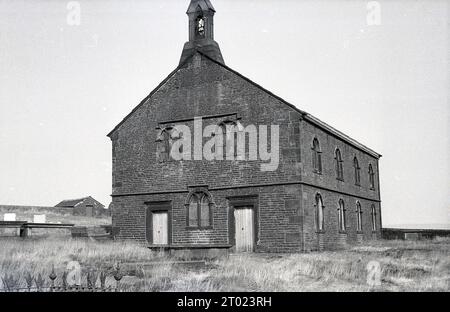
(358, 185)
(189, 246)
(359, 232)
(191, 228)
(339, 179)
(343, 232)
(317, 172)
(320, 232)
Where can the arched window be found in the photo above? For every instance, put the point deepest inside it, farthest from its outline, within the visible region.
(358, 217)
(163, 143)
(205, 213)
(339, 165)
(341, 216)
(193, 212)
(199, 210)
(201, 26)
(371, 178)
(200, 23)
(320, 224)
(316, 156)
(374, 218)
(357, 171)
(230, 139)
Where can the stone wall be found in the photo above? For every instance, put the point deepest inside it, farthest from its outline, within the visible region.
(284, 196)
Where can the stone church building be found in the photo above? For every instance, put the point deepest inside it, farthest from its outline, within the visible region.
(324, 193)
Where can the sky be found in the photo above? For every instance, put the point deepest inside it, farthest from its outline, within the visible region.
(377, 70)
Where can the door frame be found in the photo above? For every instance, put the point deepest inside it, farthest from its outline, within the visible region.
(239, 202)
(157, 206)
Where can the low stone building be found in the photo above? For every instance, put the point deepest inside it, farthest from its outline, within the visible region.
(415, 233)
(324, 192)
(86, 206)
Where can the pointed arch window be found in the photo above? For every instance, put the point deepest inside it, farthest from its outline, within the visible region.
(193, 212)
(371, 178)
(320, 219)
(358, 217)
(201, 26)
(163, 145)
(200, 23)
(316, 156)
(374, 218)
(339, 165)
(357, 171)
(230, 139)
(205, 212)
(341, 216)
(199, 211)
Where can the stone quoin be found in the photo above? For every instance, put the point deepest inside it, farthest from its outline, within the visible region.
(324, 193)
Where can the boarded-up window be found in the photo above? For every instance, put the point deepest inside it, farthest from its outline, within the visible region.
(193, 211)
(341, 216)
(374, 218)
(316, 156)
(358, 217)
(339, 165)
(199, 210)
(319, 213)
(204, 211)
(163, 146)
(230, 138)
(357, 171)
(371, 177)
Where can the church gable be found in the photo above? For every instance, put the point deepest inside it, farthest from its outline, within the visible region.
(202, 87)
(232, 203)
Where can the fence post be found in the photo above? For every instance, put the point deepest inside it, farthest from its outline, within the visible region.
(64, 281)
(102, 280)
(117, 276)
(29, 279)
(52, 277)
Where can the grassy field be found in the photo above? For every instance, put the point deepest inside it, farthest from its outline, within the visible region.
(405, 266)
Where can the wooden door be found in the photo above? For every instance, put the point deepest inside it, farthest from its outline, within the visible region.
(160, 228)
(244, 229)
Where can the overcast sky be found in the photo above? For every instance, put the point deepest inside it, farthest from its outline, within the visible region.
(63, 87)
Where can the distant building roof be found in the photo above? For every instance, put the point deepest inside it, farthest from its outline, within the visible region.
(71, 203)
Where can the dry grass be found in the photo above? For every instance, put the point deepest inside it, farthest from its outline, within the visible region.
(405, 266)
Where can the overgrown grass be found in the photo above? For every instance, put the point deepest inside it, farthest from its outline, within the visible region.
(405, 266)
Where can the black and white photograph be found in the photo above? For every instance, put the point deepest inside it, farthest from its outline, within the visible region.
(224, 146)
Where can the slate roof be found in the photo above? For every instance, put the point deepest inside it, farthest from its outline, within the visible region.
(317, 122)
(204, 4)
(71, 203)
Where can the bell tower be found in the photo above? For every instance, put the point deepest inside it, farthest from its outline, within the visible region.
(201, 31)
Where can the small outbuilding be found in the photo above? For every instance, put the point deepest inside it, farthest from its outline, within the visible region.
(86, 206)
(415, 233)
